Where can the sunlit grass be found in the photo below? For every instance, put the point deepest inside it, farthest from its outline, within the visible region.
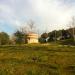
(37, 59)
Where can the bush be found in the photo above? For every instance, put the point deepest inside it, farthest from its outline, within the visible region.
(68, 42)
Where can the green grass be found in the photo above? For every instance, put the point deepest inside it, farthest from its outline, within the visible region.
(37, 59)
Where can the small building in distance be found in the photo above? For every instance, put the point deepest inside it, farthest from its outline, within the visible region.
(32, 38)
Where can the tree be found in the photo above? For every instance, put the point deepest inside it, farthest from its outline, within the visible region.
(19, 37)
(66, 34)
(31, 25)
(43, 38)
(52, 36)
(72, 26)
(4, 38)
(44, 35)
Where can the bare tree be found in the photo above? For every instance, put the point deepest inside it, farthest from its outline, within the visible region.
(73, 24)
(73, 27)
(24, 30)
(31, 26)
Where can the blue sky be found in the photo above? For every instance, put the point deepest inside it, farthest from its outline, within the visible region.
(48, 15)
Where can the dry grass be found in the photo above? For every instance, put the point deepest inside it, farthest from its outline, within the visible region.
(37, 60)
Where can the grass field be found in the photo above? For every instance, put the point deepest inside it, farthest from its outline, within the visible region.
(37, 60)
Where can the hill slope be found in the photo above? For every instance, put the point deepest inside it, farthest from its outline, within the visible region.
(37, 60)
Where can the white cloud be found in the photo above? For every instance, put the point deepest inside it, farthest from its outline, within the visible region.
(50, 14)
